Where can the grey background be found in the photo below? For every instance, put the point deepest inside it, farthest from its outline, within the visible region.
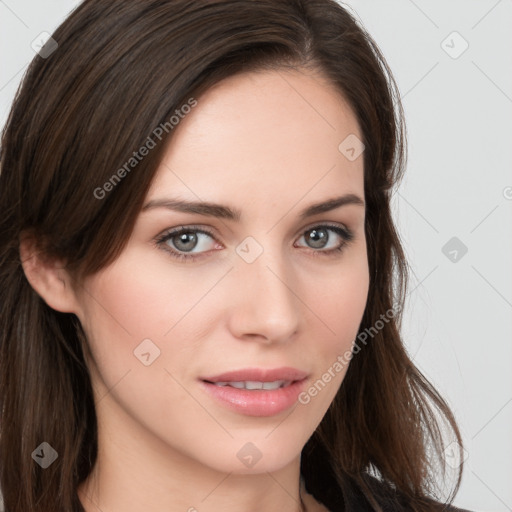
(458, 109)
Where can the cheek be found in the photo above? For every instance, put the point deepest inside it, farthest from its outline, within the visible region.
(145, 296)
(341, 298)
(338, 298)
(135, 300)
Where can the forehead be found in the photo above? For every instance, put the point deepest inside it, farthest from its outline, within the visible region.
(270, 135)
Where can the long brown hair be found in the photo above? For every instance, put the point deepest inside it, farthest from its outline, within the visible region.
(122, 69)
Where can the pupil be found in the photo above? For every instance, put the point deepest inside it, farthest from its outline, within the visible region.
(318, 237)
(189, 239)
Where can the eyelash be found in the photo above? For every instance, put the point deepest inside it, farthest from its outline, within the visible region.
(344, 233)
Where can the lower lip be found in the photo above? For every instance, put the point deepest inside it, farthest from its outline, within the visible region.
(258, 402)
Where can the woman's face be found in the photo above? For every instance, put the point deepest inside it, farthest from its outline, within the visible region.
(265, 288)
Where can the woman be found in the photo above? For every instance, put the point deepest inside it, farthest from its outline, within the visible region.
(201, 279)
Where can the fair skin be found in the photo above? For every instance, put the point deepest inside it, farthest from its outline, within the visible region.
(265, 144)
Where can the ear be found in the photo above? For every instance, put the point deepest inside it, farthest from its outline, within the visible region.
(47, 277)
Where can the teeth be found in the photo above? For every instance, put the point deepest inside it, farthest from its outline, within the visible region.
(276, 384)
(251, 384)
(238, 385)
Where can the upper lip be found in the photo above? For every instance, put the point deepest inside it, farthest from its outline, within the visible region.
(259, 375)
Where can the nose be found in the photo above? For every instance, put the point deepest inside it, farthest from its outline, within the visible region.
(264, 305)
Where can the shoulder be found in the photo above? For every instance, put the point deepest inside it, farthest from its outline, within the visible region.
(350, 498)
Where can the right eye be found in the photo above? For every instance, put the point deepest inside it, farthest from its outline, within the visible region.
(187, 243)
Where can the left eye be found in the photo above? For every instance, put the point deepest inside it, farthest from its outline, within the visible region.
(319, 237)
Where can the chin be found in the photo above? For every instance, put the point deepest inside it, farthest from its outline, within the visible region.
(252, 454)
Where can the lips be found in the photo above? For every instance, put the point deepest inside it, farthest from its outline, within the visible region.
(259, 375)
(256, 391)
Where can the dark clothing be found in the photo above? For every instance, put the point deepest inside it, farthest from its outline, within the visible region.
(350, 498)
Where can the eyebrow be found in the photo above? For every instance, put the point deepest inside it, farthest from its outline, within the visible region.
(225, 212)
